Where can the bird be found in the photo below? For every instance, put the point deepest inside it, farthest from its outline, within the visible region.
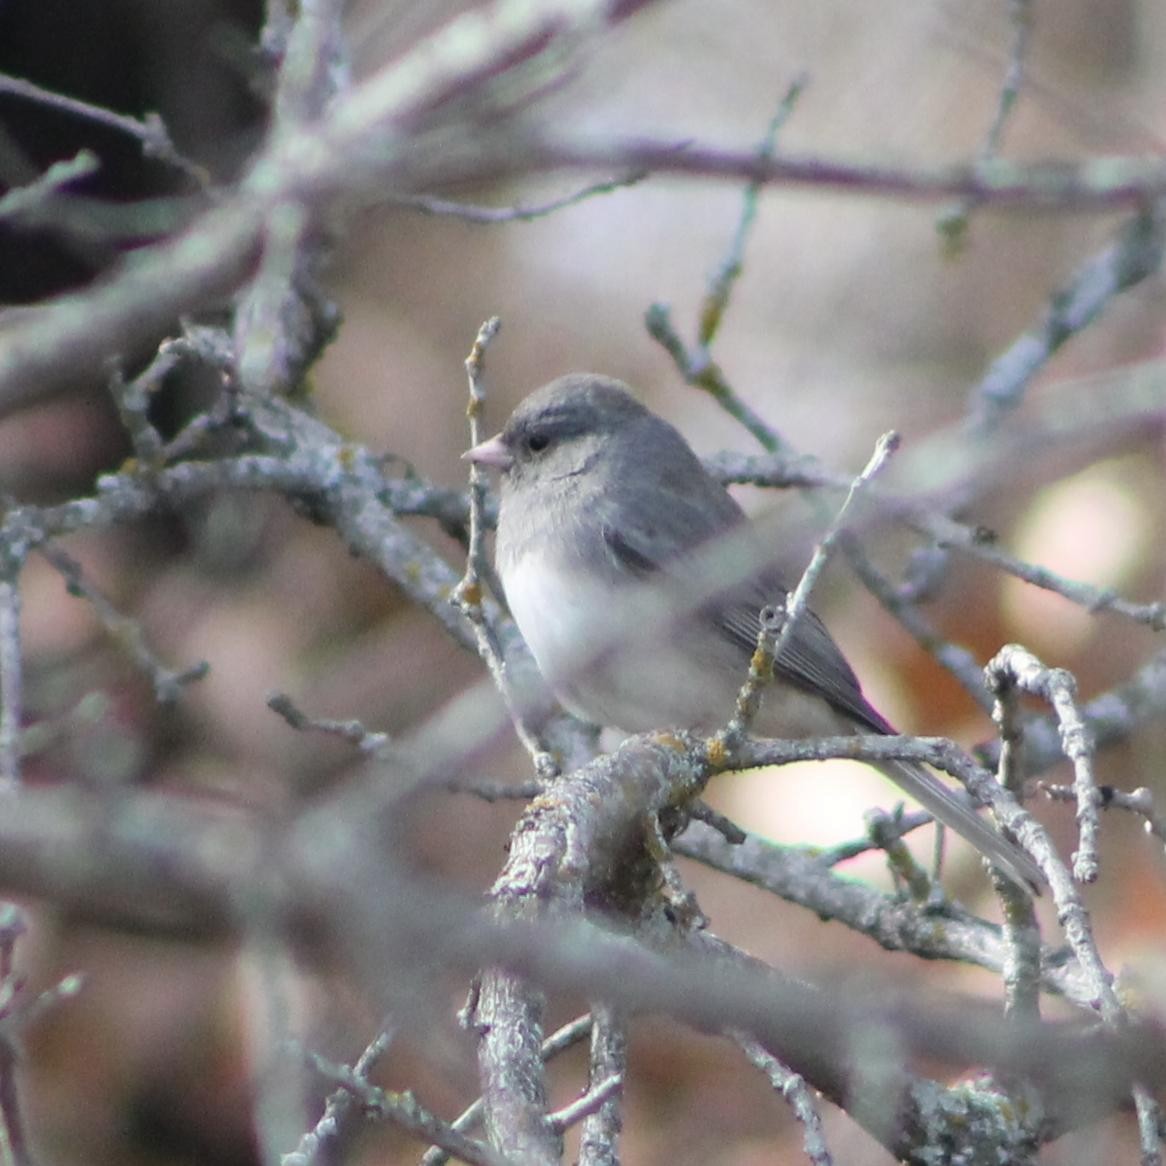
(606, 518)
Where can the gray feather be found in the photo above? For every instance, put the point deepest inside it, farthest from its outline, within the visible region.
(939, 801)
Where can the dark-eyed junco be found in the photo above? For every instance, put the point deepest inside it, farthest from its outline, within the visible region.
(605, 510)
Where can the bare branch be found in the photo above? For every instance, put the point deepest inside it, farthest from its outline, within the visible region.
(33, 203)
(953, 222)
(403, 1110)
(590, 904)
(930, 931)
(150, 131)
(598, 1145)
(336, 886)
(342, 1115)
(342, 154)
(506, 1012)
(981, 544)
(716, 300)
(1135, 255)
(564, 1038)
(467, 595)
(698, 368)
(1094, 184)
(14, 1146)
(11, 676)
(887, 836)
(351, 731)
(793, 1088)
(15, 1017)
(127, 633)
(588, 1105)
(1139, 801)
(1014, 667)
(519, 212)
(776, 628)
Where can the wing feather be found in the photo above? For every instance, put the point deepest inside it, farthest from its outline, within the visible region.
(811, 660)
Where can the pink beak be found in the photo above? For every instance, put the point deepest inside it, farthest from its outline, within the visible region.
(491, 453)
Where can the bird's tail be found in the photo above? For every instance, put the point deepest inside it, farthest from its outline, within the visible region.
(942, 803)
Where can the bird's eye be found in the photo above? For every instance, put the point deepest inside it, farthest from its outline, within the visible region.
(537, 442)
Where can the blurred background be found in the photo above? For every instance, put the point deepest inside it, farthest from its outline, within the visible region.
(851, 317)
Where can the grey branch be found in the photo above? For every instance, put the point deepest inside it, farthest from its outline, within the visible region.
(157, 861)
(928, 931)
(794, 1089)
(599, 1142)
(350, 156)
(468, 594)
(1135, 255)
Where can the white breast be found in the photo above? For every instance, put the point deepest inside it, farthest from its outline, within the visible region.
(558, 613)
(587, 639)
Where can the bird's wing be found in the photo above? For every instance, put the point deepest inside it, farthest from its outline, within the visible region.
(809, 659)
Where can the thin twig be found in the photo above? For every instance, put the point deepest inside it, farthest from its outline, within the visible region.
(1015, 667)
(1012, 667)
(342, 1115)
(127, 633)
(1133, 257)
(559, 1041)
(150, 131)
(496, 791)
(981, 544)
(777, 627)
(886, 835)
(519, 212)
(1139, 801)
(937, 752)
(932, 931)
(403, 1110)
(1021, 931)
(590, 1103)
(716, 300)
(467, 595)
(700, 370)
(469, 591)
(32, 204)
(1061, 186)
(953, 222)
(956, 660)
(65, 988)
(943, 532)
(903, 824)
(701, 811)
(11, 675)
(351, 731)
(792, 1086)
(14, 1148)
(599, 1141)
(133, 400)
(780, 469)
(697, 365)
